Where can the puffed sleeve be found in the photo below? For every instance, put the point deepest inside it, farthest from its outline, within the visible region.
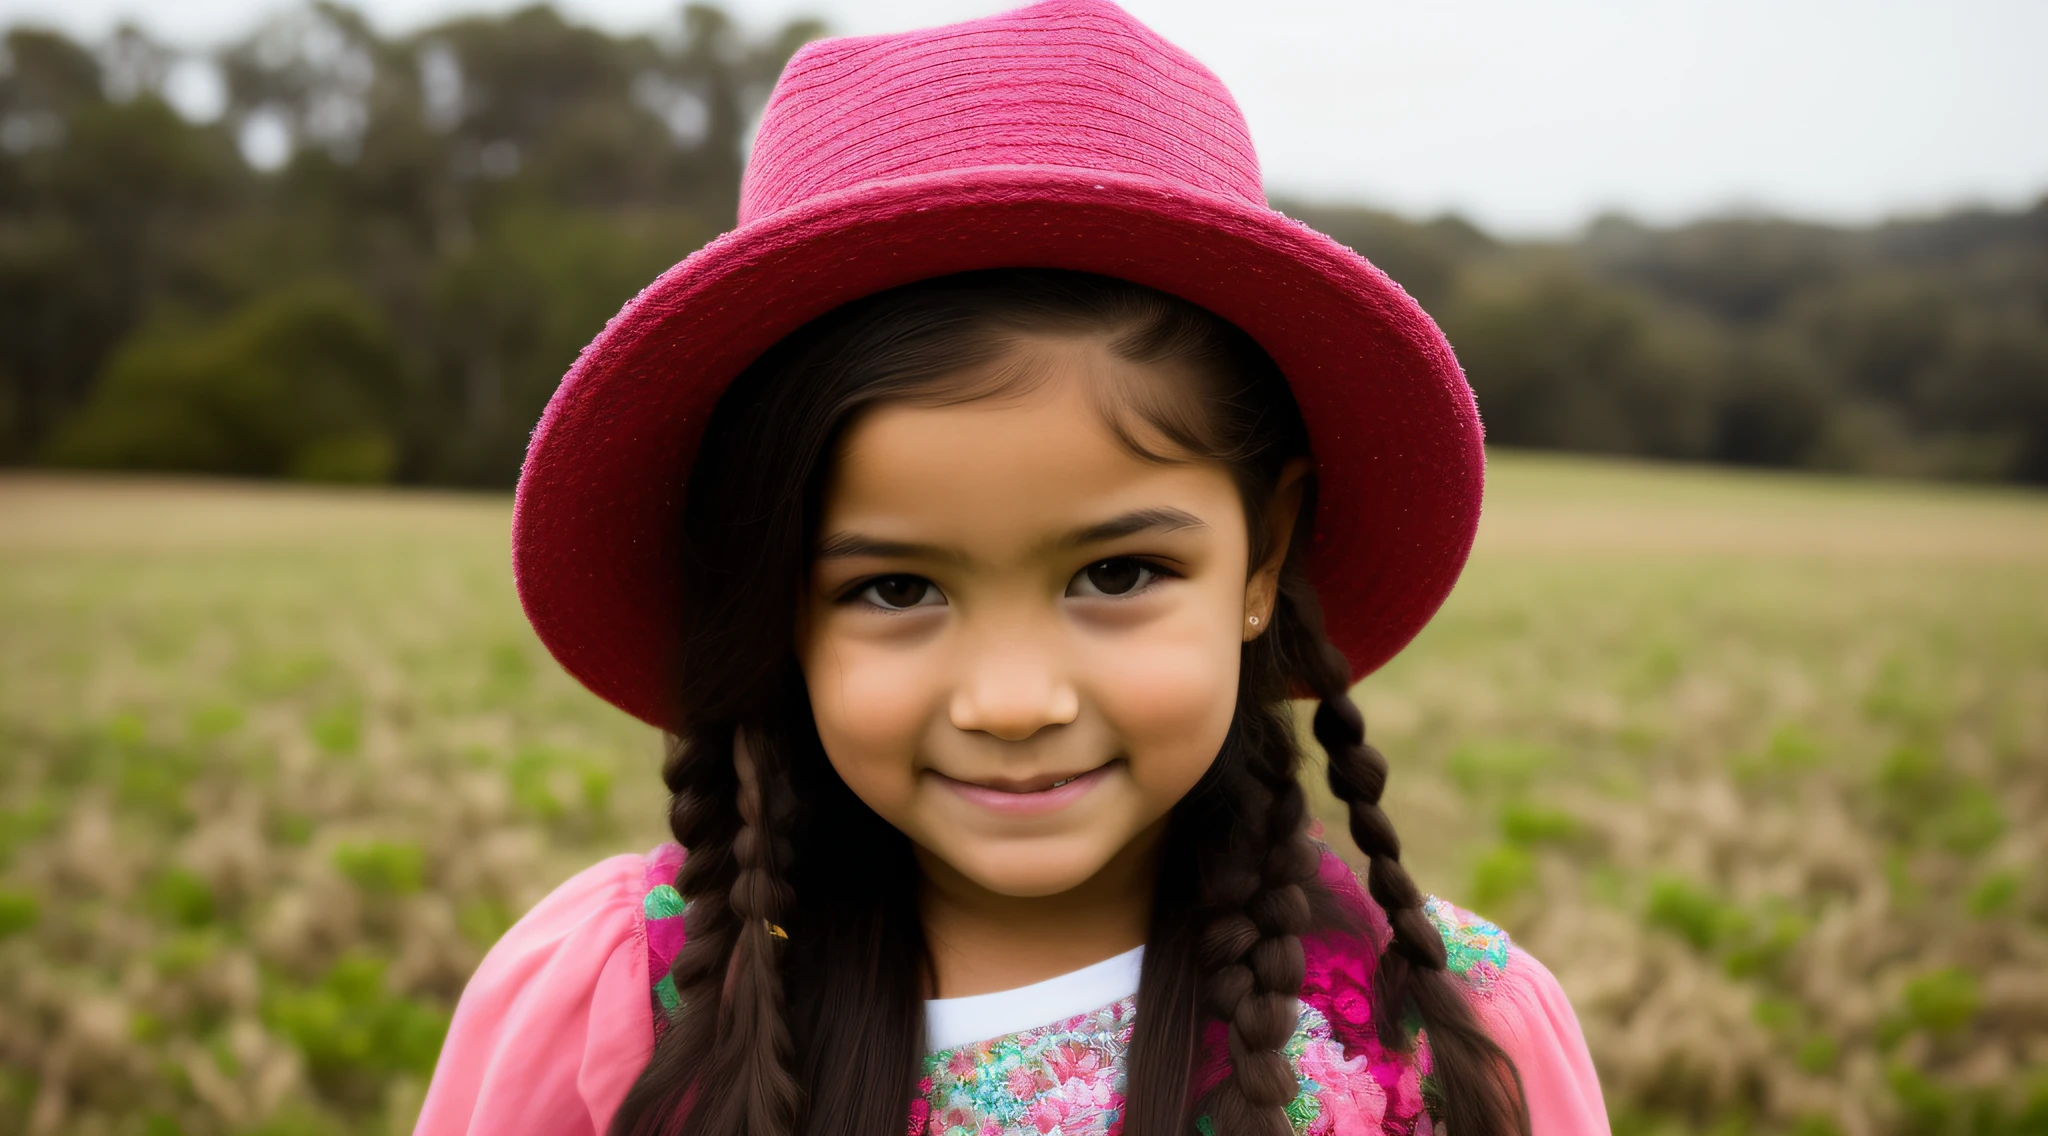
(557, 1022)
(1527, 1013)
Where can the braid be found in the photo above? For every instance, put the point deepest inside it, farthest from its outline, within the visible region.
(752, 1013)
(1358, 776)
(1256, 883)
(700, 815)
(726, 808)
(1480, 1091)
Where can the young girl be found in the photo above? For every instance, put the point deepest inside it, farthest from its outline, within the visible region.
(969, 516)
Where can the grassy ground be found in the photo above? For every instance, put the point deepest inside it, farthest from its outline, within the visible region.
(1758, 765)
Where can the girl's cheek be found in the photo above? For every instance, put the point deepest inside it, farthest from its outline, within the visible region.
(871, 706)
(1170, 698)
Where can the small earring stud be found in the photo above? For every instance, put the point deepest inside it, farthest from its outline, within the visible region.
(1255, 621)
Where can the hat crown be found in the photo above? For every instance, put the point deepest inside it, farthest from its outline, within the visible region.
(1077, 84)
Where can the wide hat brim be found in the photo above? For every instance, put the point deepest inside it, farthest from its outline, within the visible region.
(1396, 437)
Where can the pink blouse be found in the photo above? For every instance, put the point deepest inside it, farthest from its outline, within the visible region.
(560, 1018)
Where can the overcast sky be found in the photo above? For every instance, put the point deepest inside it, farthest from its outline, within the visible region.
(1527, 116)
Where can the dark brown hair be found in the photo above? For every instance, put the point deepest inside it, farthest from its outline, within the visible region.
(822, 1032)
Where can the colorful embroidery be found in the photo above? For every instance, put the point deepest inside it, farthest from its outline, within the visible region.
(1068, 1079)
(663, 907)
(1475, 949)
(662, 902)
(1339, 1096)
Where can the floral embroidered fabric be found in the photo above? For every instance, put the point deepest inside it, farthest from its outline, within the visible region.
(1474, 949)
(662, 906)
(1066, 1078)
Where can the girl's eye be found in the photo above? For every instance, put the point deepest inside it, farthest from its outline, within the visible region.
(897, 593)
(1118, 576)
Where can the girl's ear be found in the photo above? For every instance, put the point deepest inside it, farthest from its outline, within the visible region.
(1263, 586)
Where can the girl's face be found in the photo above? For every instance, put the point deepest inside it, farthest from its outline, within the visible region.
(1022, 640)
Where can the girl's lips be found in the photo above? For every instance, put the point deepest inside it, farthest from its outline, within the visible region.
(1050, 799)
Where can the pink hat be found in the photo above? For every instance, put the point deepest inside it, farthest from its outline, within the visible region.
(1062, 135)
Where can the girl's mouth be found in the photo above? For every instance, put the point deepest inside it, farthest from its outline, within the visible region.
(1028, 797)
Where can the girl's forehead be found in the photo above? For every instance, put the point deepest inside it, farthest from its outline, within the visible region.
(1041, 457)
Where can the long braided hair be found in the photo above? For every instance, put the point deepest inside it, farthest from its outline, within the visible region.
(804, 964)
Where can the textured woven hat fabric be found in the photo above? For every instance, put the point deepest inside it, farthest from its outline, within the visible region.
(1061, 135)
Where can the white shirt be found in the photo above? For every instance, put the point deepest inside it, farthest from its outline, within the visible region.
(953, 1022)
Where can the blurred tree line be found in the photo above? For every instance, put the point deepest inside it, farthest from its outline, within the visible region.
(378, 257)
(1916, 348)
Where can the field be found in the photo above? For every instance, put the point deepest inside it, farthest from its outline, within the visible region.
(1757, 764)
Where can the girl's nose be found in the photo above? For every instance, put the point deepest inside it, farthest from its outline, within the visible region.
(1012, 695)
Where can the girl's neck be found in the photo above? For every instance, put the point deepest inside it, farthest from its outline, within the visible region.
(981, 941)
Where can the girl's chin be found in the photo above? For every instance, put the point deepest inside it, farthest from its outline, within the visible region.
(1030, 869)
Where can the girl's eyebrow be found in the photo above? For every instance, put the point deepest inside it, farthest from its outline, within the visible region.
(1132, 523)
(844, 545)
